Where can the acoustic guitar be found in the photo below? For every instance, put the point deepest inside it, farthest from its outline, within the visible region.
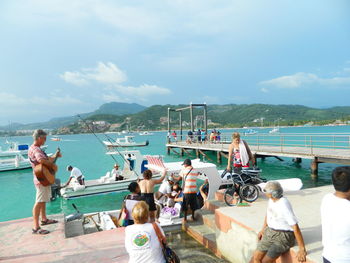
(45, 175)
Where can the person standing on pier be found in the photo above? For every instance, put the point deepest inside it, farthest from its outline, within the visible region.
(280, 229)
(239, 153)
(189, 185)
(43, 193)
(335, 218)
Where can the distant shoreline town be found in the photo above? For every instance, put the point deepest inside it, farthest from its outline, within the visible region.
(118, 117)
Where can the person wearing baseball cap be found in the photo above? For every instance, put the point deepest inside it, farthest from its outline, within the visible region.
(189, 176)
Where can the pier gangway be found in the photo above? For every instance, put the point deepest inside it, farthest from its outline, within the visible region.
(319, 147)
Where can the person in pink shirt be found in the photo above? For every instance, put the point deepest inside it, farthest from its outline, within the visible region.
(43, 193)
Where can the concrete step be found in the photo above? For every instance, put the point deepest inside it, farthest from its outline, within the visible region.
(212, 205)
(209, 221)
(204, 235)
(219, 195)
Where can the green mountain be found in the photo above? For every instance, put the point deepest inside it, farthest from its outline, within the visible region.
(230, 115)
(118, 108)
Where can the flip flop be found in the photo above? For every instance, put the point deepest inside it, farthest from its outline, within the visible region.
(48, 222)
(40, 231)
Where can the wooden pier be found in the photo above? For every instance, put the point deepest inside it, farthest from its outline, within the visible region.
(320, 148)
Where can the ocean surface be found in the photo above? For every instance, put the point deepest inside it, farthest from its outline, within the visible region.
(17, 192)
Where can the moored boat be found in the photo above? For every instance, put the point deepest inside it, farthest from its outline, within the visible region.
(144, 133)
(14, 162)
(126, 141)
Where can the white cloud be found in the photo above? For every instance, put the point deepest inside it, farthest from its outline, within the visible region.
(12, 100)
(74, 78)
(113, 78)
(151, 19)
(106, 73)
(302, 79)
(265, 90)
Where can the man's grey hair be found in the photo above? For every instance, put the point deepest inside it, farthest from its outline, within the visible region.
(274, 188)
(39, 133)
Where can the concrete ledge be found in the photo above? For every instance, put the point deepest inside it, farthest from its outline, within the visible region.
(236, 228)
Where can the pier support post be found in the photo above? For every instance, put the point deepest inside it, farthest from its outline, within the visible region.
(197, 154)
(168, 150)
(255, 159)
(218, 157)
(314, 168)
(182, 151)
(297, 160)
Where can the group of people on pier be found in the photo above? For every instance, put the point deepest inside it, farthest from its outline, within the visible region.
(280, 228)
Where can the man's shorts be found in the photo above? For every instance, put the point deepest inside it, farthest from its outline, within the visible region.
(189, 200)
(276, 242)
(43, 193)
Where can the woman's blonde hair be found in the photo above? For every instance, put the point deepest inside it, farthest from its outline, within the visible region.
(236, 135)
(140, 212)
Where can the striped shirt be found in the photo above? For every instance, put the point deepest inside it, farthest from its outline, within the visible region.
(35, 154)
(190, 180)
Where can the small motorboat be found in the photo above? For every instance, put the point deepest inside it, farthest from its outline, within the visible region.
(126, 141)
(145, 133)
(134, 165)
(55, 138)
(15, 148)
(275, 130)
(250, 132)
(14, 162)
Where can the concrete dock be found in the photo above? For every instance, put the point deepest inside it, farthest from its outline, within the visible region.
(18, 244)
(230, 232)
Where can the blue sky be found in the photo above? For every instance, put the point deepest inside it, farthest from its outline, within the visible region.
(60, 58)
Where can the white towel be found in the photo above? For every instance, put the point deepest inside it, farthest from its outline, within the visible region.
(244, 153)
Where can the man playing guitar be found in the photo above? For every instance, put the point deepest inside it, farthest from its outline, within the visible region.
(43, 193)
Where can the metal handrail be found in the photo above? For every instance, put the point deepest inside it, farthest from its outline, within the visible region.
(281, 140)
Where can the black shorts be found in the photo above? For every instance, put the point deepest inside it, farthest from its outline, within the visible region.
(189, 200)
(149, 199)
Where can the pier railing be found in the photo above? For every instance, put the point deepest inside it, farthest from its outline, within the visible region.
(284, 141)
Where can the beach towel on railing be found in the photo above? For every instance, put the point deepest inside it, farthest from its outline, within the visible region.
(155, 162)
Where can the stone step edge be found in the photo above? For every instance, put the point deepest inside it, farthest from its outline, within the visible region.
(210, 221)
(204, 241)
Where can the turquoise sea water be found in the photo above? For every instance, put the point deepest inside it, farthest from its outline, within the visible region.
(17, 192)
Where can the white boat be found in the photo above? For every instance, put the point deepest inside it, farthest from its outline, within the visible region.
(14, 162)
(250, 132)
(55, 138)
(134, 164)
(275, 130)
(15, 148)
(145, 133)
(126, 141)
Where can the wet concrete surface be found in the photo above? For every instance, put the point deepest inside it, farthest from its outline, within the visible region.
(189, 250)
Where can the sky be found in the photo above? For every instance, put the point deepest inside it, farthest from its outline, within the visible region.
(64, 57)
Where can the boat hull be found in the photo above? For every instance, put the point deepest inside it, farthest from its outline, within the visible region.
(92, 187)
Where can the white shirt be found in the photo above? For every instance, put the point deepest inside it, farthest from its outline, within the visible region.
(142, 244)
(115, 172)
(75, 173)
(280, 215)
(165, 187)
(335, 218)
